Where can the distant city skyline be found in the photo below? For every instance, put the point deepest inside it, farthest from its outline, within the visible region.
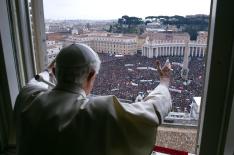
(107, 9)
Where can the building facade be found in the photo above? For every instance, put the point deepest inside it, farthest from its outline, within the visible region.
(53, 48)
(107, 43)
(173, 44)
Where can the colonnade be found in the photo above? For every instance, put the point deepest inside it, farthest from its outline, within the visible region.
(173, 50)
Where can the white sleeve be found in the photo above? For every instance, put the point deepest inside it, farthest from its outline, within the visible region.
(150, 111)
(45, 76)
(160, 98)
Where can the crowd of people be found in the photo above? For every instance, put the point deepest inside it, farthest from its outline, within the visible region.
(127, 76)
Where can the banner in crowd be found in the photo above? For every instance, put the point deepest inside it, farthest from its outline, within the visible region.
(175, 90)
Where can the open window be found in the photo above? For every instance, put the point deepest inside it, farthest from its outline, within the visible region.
(209, 134)
(129, 46)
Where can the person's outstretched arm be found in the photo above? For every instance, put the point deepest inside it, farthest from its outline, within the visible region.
(138, 121)
(155, 106)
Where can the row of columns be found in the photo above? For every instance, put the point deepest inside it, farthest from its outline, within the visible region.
(150, 52)
(197, 51)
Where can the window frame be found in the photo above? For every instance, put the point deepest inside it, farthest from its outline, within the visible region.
(217, 100)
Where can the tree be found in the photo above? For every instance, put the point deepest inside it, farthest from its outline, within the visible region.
(121, 21)
(110, 29)
(146, 22)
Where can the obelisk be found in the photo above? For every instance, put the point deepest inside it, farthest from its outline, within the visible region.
(185, 69)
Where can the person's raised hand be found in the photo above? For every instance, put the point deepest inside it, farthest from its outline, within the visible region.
(164, 72)
(51, 67)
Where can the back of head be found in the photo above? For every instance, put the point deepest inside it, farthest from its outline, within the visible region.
(75, 62)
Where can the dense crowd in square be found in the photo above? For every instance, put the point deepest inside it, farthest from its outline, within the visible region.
(127, 75)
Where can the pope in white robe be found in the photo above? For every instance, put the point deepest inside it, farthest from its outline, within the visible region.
(65, 120)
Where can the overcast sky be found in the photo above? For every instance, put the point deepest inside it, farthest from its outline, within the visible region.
(113, 9)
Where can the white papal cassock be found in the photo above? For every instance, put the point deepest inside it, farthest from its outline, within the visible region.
(67, 122)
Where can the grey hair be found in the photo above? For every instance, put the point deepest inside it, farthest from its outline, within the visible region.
(95, 65)
(77, 75)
